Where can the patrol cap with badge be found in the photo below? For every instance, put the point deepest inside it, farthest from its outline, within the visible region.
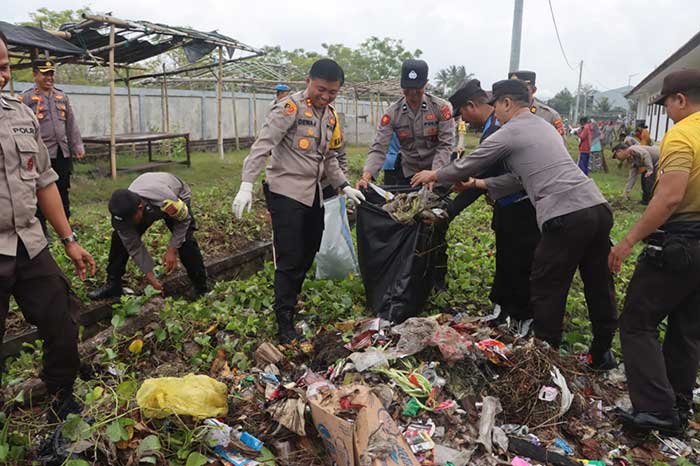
(509, 87)
(123, 205)
(44, 66)
(414, 74)
(528, 77)
(470, 89)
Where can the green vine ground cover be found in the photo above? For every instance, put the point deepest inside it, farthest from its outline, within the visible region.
(236, 316)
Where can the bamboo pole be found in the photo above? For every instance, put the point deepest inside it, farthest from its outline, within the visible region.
(131, 107)
(219, 92)
(255, 114)
(235, 117)
(167, 103)
(112, 108)
(357, 119)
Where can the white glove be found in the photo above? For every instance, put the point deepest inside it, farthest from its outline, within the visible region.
(243, 199)
(354, 194)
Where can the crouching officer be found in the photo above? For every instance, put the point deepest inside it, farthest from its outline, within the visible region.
(303, 133)
(666, 280)
(27, 270)
(152, 197)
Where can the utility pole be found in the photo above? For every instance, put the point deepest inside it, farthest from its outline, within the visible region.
(515, 36)
(578, 91)
(629, 79)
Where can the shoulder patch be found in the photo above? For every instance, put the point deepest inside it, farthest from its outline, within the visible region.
(559, 125)
(386, 119)
(290, 108)
(445, 113)
(533, 109)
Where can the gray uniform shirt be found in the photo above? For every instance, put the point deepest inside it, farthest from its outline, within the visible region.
(303, 146)
(25, 168)
(154, 189)
(532, 151)
(426, 136)
(642, 156)
(550, 115)
(59, 129)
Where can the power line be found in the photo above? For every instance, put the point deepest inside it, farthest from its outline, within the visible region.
(556, 29)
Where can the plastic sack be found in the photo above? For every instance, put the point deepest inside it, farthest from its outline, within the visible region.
(397, 262)
(199, 396)
(336, 255)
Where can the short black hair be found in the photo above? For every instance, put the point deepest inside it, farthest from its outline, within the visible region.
(479, 98)
(3, 38)
(328, 70)
(583, 120)
(516, 98)
(618, 147)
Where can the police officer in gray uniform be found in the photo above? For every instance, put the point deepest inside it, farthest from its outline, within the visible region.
(304, 135)
(27, 271)
(59, 128)
(152, 197)
(423, 124)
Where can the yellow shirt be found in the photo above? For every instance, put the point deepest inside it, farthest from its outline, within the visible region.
(680, 151)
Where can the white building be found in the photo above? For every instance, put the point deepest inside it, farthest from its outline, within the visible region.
(655, 116)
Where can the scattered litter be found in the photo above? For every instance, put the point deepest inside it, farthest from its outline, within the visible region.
(290, 414)
(412, 408)
(267, 353)
(452, 344)
(548, 393)
(490, 408)
(234, 457)
(217, 433)
(372, 357)
(446, 455)
(561, 444)
(415, 333)
(518, 461)
(566, 396)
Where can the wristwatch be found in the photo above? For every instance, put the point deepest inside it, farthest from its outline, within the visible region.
(70, 239)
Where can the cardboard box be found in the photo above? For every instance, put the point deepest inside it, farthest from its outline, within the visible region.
(345, 440)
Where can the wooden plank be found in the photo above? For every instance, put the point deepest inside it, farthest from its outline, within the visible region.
(112, 108)
(241, 264)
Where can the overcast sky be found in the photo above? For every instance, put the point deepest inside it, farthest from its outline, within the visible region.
(614, 38)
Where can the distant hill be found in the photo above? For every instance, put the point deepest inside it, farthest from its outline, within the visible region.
(616, 97)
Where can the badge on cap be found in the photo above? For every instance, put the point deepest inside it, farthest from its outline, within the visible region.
(412, 74)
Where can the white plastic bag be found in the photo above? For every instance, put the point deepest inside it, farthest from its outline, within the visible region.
(336, 256)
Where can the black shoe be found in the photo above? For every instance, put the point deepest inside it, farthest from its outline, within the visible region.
(111, 289)
(603, 361)
(668, 424)
(63, 404)
(201, 290)
(286, 334)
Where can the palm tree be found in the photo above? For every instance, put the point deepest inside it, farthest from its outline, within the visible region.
(449, 79)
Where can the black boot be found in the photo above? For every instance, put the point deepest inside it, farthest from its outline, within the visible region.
(665, 423)
(111, 289)
(63, 403)
(286, 333)
(604, 361)
(200, 289)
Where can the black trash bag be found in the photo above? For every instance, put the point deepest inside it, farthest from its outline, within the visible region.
(397, 261)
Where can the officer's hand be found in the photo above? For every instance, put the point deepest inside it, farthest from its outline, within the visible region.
(153, 281)
(363, 183)
(354, 194)
(648, 174)
(424, 177)
(80, 155)
(618, 254)
(243, 200)
(81, 259)
(170, 260)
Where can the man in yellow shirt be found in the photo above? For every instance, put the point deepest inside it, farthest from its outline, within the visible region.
(666, 281)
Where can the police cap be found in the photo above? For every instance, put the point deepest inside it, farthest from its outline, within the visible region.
(509, 87)
(414, 74)
(527, 76)
(123, 205)
(467, 91)
(43, 66)
(282, 88)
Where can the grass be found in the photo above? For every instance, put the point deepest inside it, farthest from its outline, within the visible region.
(237, 315)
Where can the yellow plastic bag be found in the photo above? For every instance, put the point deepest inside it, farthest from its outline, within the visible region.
(192, 395)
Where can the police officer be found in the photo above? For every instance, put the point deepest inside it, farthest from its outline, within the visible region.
(152, 197)
(59, 129)
(303, 133)
(425, 129)
(423, 124)
(666, 280)
(27, 270)
(539, 108)
(573, 215)
(281, 91)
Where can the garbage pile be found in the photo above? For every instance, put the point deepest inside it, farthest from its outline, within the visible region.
(407, 208)
(438, 391)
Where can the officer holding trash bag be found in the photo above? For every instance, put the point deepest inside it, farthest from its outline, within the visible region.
(302, 133)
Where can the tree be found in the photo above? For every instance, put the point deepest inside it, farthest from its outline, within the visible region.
(449, 79)
(562, 101)
(603, 105)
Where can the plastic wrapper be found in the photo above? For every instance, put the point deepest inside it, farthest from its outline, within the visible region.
(453, 345)
(199, 396)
